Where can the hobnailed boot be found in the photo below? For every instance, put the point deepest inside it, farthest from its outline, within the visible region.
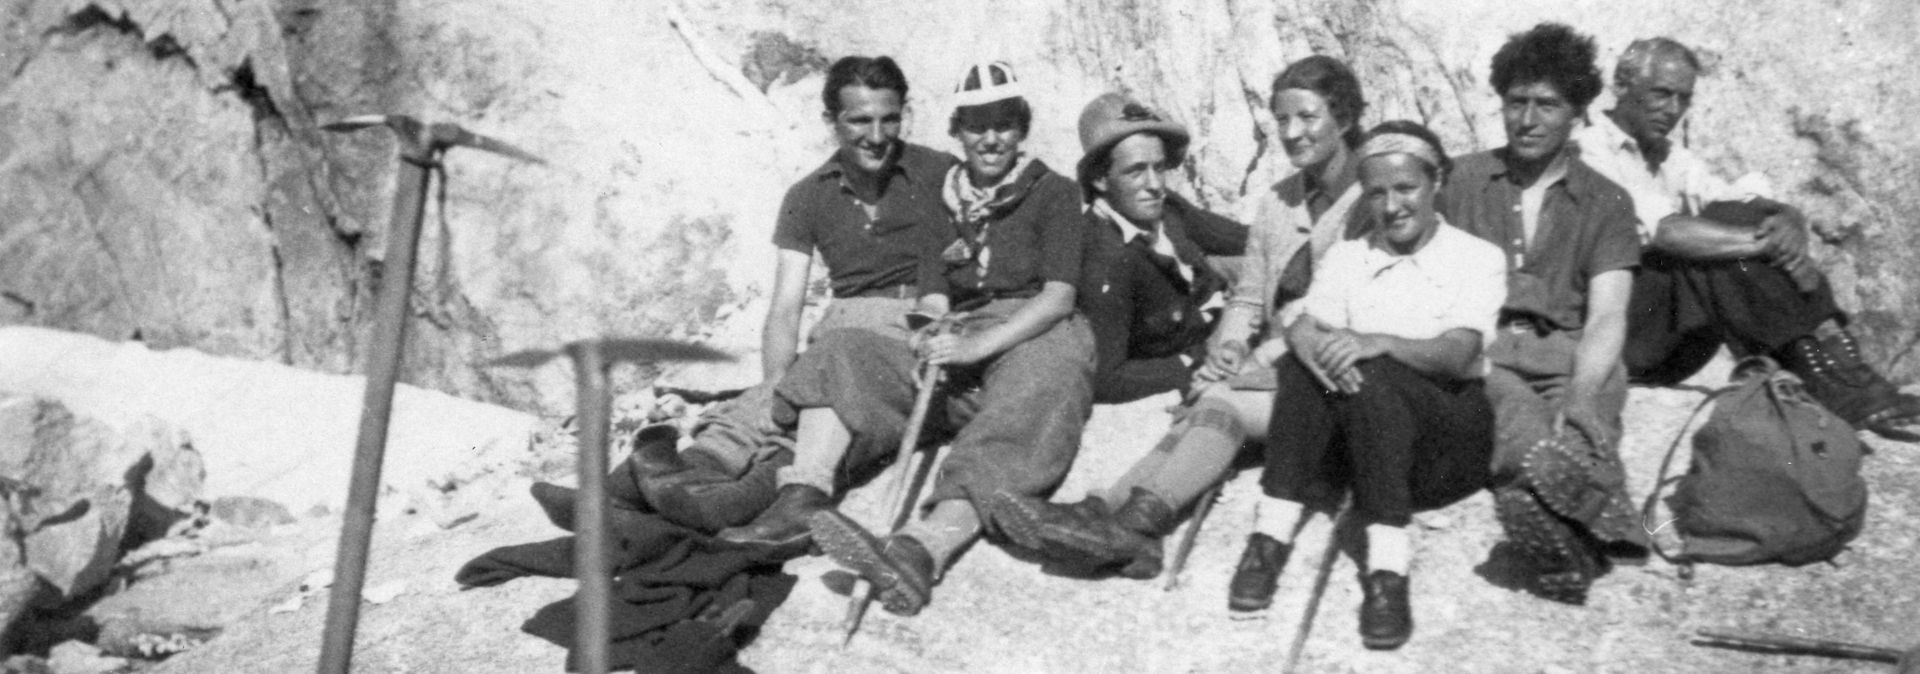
(1258, 574)
(704, 495)
(1075, 539)
(900, 567)
(784, 525)
(1145, 513)
(1565, 561)
(1838, 377)
(1386, 618)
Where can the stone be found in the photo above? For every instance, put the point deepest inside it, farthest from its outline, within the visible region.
(82, 478)
(250, 511)
(79, 657)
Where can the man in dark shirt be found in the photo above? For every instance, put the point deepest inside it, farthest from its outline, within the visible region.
(1150, 272)
(872, 212)
(1557, 383)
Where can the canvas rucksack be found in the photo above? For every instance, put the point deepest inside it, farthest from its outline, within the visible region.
(1775, 477)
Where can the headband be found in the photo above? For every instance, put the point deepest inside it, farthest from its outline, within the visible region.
(1390, 143)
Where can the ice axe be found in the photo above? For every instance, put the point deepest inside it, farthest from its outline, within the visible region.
(594, 405)
(1908, 661)
(904, 490)
(420, 148)
(1328, 556)
(1184, 548)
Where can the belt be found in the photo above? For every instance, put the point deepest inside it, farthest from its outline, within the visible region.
(1523, 324)
(974, 301)
(904, 291)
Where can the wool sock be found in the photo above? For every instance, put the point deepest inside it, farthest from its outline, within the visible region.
(1200, 457)
(1278, 517)
(819, 445)
(1389, 549)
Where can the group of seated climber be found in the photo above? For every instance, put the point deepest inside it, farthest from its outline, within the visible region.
(1397, 330)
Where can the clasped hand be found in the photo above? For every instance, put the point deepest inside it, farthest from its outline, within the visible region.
(1783, 241)
(1334, 355)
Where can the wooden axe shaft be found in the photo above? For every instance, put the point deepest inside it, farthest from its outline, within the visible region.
(383, 370)
(901, 492)
(1800, 646)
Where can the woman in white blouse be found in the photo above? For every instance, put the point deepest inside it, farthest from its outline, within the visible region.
(1382, 396)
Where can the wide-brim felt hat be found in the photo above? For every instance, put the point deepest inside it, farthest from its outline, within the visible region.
(1111, 117)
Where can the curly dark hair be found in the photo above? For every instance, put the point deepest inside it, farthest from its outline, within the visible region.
(1333, 81)
(867, 71)
(1552, 53)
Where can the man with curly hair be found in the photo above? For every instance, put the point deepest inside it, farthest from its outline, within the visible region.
(1557, 383)
(1723, 263)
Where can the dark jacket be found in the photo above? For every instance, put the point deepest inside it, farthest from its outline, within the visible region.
(1144, 314)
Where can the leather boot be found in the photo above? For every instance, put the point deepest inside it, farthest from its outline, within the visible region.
(784, 525)
(899, 567)
(1258, 574)
(1838, 377)
(1074, 539)
(1386, 619)
(1145, 513)
(705, 496)
(1564, 561)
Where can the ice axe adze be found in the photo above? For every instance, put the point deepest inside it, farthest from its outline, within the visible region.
(591, 359)
(420, 148)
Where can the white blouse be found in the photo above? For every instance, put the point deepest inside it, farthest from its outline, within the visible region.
(1455, 281)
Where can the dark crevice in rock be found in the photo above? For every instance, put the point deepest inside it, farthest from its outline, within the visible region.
(1255, 102)
(161, 47)
(17, 298)
(280, 300)
(243, 84)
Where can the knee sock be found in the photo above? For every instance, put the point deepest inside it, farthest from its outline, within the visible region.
(1200, 457)
(1278, 517)
(1389, 549)
(820, 443)
(951, 525)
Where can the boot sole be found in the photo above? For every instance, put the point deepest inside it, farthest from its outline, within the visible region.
(1067, 548)
(849, 544)
(1242, 605)
(1385, 643)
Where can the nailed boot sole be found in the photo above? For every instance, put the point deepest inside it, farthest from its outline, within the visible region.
(1071, 548)
(849, 544)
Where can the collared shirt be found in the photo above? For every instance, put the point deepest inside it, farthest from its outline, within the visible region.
(1681, 185)
(1586, 228)
(1321, 197)
(1037, 237)
(1284, 225)
(1155, 239)
(869, 247)
(1455, 281)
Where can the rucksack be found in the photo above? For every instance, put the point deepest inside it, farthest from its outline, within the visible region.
(1775, 477)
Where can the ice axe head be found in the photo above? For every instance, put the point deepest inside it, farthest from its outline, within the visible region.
(420, 142)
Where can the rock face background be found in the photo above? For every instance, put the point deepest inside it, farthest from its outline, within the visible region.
(161, 175)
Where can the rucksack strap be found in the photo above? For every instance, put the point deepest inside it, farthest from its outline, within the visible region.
(1661, 481)
(1755, 366)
